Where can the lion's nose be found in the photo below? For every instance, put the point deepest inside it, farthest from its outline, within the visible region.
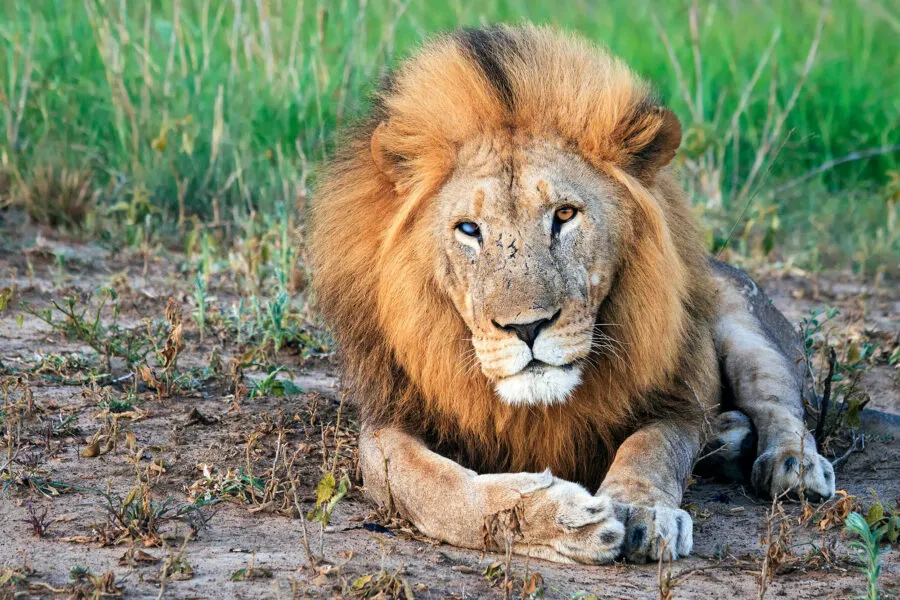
(528, 332)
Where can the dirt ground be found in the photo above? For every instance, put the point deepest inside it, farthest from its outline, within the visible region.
(163, 444)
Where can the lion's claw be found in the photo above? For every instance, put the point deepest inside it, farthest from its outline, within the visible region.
(792, 472)
(654, 531)
(581, 527)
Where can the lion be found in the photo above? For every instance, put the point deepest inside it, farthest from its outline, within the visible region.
(530, 326)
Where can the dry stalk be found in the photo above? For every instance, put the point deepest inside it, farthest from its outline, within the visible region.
(504, 526)
(310, 557)
(826, 402)
(171, 561)
(665, 584)
(777, 542)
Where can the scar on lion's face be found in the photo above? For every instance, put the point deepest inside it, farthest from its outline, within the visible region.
(529, 253)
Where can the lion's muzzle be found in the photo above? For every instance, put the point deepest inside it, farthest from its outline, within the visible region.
(532, 361)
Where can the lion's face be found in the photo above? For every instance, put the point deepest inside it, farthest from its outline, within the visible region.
(529, 239)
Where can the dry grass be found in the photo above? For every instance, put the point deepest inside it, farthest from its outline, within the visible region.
(57, 196)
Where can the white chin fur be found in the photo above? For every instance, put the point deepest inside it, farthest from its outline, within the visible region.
(546, 386)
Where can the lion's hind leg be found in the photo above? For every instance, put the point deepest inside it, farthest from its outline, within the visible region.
(766, 385)
(730, 451)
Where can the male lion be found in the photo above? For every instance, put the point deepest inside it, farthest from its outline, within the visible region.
(526, 312)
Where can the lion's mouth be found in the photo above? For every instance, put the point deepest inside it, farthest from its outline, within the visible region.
(538, 366)
(539, 383)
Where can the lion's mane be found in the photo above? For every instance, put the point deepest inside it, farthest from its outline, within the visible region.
(372, 252)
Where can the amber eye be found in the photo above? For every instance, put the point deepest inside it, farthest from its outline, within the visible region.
(566, 213)
(561, 216)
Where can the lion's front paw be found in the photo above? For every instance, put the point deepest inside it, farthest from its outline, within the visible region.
(794, 472)
(654, 531)
(576, 526)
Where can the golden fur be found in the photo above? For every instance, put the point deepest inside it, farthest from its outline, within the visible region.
(373, 255)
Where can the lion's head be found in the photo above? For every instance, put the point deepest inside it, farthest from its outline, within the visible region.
(529, 243)
(502, 234)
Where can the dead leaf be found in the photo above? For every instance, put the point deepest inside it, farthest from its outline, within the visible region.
(466, 569)
(147, 376)
(532, 584)
(93, 450)
(134, 556)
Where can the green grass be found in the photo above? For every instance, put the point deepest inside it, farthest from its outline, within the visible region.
(220, 110)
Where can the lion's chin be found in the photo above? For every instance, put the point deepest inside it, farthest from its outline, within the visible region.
(535, 387)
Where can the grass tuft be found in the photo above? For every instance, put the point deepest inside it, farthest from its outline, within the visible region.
(57, 197)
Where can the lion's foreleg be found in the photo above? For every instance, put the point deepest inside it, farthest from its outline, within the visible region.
(648, 476)
(538, 514)
(766, 389)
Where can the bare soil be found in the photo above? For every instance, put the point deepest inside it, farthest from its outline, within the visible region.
(174, 436)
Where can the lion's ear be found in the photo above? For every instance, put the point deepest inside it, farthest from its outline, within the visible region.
(653, 144)
(379, 156)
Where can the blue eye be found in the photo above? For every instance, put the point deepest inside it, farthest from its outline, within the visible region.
(469, 228)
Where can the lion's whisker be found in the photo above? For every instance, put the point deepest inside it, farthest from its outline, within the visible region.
(463, 368)
(606, 344)
(601, 336)
(467, 359)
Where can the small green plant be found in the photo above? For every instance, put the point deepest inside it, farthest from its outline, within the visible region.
(273, 324)
(270, 385)
(118, 405)
(251, 571)
(231, 484)
(277, 326)
(72, 368)
(868, 549)
(87, 584)
(328, 493)
(879, 515)
(843, 396)
(814, 325)
(201, 300)
(108, 340)
(139, 519)
(78, 572)
(6, 296)
(59, 269)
